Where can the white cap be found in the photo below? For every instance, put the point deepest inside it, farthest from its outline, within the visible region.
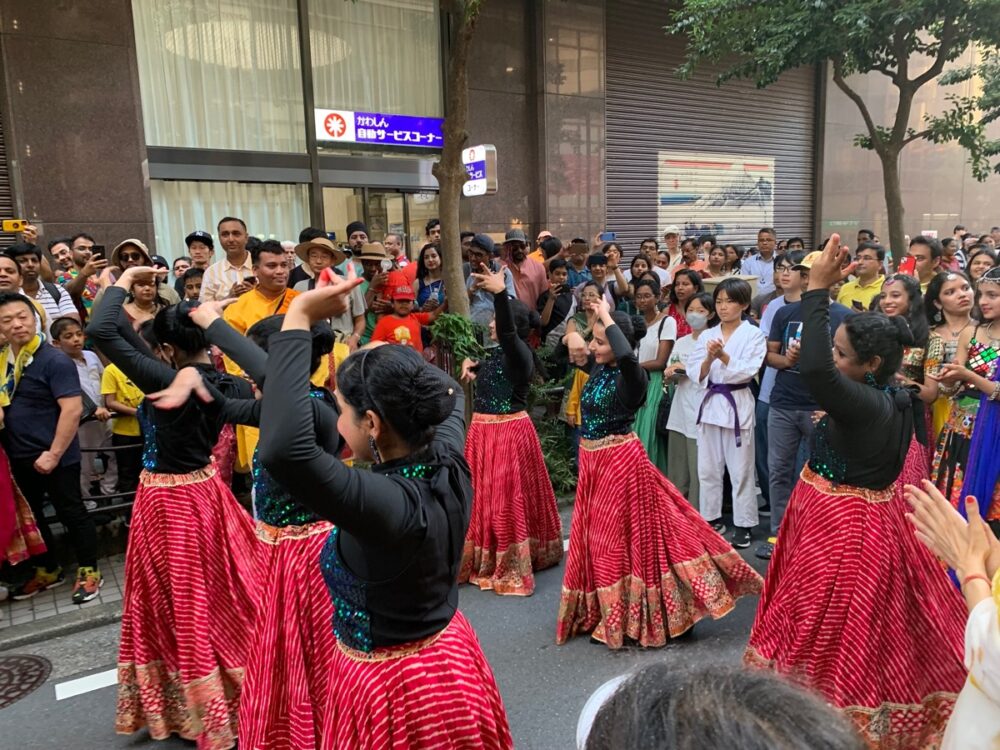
(672, 229)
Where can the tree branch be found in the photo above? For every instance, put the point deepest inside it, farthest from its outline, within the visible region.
(916, 136)
(944, 48)
(838, 78)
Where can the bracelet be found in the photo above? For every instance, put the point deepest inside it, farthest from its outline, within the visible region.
(995, 396)
(974, 576)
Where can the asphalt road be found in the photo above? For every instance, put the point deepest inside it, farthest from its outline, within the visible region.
(544, 686)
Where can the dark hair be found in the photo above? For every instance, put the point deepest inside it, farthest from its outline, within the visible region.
(916, 318)
(875, 334)
(706, 238)
(550, 246)
(178, 260)
(466, 233)
(931, 244)
(650, 239)
(767, 230)
(384, 379)
(793, 257)
(708, 302)
(981, 250)
(78, 235)
(224, 219)
(737, 290)
(557, 263)
(597, 259)
(869, 232)
(946, 243)
(638, 258)
(608, 245)
(795, 239)
(431, 223)
(12, 259)
(253, 243)
(663, 707)
(60, 325)
(984, 237)
(21, 249)
(632, 326)
(310, 233)
(957, 227)
(879, 250)
(271, 247)
(192, 273)
(145, 331)
(654, 286)
(421, 265)
(525, 319)
(9, 298)
(688, 241)
(693, 276)
(591, 282)
(172, 325)
(933, 294)
(322, 337)
(59, 241)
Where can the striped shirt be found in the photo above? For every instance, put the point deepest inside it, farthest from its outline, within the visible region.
(221, 276)
(61, 309)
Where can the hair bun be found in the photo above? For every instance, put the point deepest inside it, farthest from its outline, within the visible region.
(903, 333)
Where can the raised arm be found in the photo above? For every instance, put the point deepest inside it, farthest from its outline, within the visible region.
(520, 363)
(238, 348)
(633, 379)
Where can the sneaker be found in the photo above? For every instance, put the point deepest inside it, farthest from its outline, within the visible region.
(764, 550)
(719, 526)
(741, 537)
(43, 580)
(88, 584)
(90, 504)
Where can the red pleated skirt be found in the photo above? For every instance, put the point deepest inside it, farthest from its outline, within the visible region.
(857, 609)
(642, 561)
(20, 538)
(291, 657)
(192, 581)
(435, 693)
(515, 527)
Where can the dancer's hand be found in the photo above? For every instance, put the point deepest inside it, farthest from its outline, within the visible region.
(951, 373)
(188, 381)
(494, 283)
(138, 273)
(577, 348)
(468, 374)
(963, 545)
(829, 268)
(322, 303)
(208, 312)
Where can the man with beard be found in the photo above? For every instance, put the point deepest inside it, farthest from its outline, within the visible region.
(529, 275)
(233, 275)
(54, 300)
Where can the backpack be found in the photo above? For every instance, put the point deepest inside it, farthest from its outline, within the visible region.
(54, 290)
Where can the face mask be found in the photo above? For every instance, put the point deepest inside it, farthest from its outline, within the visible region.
(698, 321)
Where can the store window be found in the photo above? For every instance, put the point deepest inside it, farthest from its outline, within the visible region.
(222, 74)
(383, 56)
(271, 211)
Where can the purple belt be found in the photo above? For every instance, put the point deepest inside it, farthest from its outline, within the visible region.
(725, 389)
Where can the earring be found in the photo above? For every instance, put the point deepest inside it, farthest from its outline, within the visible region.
(870, 380)
(374, 449)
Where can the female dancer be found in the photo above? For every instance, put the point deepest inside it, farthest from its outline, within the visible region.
(20, 538)
(686, 285)
(192, 577)
(429, 285)
(288, 667)
(515, 527)
(654, 351)
(642, 563)
(968, 462)
(408, 670)
(853, 606)
(948, 304)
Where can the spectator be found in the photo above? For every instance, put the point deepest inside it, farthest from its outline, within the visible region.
(578, 253)
(10, 283)
(952, 256)
(597, 264)
(233, 275)
(761, 302)
(81, 281)
(995, 235)
(41, 401)
(130, 254)
(94, 434)
(159, 262)
(686, 285)
(181, 265)
(539, 252)
(761, 264)
(402, 325)
(432, 231)
(557, 304)
(981, 260)
(858, 293)
(62, 253)
(357, 238)
(145, 300)
(734, 255)
(716, 265)
(304, 271)
(54, 300)
(376, 264)
(689, 258)
(319, 254)
(428, 285)
(529, 275)
(192, 283)
(289, 247)
(201, 248)
(122, 397)
(671, 243)
(466, 239)
(481, 301)
(927, 252)
(865, 235)
(796, 243)
(269, 295)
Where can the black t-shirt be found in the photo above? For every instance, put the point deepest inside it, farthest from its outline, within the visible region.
(789, 391)
(30, 420)
(560, 308)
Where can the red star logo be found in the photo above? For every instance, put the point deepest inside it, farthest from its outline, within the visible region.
(335, 125)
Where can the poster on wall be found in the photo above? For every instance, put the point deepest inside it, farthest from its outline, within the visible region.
(728, 195)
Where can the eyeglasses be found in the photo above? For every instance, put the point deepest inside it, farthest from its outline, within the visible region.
(131, 256)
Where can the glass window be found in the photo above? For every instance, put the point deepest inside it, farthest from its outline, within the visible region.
(271, 211)
(421, 207)
(380, 56)
(221, 73)
(341, 206)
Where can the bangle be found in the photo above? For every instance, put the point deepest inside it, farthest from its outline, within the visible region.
(974, 576)
(995, 396)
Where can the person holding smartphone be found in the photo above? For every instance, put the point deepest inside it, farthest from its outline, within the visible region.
(866, 285)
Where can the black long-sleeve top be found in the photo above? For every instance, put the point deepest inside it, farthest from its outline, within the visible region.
(177, 441)
(391, 563)
(613, 395)
(863, 440)
(504, 376)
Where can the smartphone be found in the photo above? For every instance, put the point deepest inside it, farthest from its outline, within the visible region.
(14, 225)
(607, 236)
(97, 251)
(385, 265)
(908, 265)
(251, 280)
(856, 304)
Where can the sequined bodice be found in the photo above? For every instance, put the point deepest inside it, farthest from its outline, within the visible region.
(352, 623)
(982, 359)
(602, 411)
(272, 504)
(494, 391)
(913, 363)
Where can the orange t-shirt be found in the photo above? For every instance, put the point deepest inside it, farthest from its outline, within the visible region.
(406, 331)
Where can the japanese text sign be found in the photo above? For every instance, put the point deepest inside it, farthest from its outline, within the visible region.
(342, 126)
(481, 165)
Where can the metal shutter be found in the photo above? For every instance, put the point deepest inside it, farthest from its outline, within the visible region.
(700, 127)
(6, 191)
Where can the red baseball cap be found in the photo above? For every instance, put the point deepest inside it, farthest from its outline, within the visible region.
(399, 287)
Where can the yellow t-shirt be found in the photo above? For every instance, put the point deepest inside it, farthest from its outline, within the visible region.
(114, 383)
(853, 292)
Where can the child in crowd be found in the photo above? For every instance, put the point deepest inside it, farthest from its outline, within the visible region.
(402, 325)
(557, 304)
(192, 279)
(68, 336)
(725, 360)
(122, 397)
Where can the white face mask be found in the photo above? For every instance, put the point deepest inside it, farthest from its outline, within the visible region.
(698, 321)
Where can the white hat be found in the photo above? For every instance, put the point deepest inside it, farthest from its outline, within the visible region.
(672, 229)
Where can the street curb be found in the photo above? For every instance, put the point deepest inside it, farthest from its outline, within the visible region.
(18, 636)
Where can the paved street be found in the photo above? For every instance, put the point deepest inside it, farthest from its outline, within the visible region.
(544, 686)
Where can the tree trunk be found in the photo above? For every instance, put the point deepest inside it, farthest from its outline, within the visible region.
(449, 170)
(894, 203)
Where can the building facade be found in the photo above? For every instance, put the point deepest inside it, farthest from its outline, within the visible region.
(152, 118)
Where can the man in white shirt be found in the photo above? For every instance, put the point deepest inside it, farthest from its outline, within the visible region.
(671, 243)
(761, 264)
(233, 275)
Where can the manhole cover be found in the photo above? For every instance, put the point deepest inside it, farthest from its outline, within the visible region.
(21, 676)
